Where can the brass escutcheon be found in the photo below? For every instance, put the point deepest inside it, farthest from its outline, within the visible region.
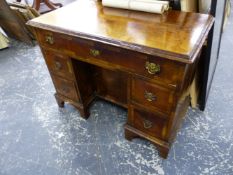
(94, 52)
(149, 96)
(49, 39)
(152, 68)
(147, 124)
(65, 89)
(58, 65)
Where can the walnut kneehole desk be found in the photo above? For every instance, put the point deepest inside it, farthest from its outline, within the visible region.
(141, 61)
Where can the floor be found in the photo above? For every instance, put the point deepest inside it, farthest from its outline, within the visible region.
(38, 138)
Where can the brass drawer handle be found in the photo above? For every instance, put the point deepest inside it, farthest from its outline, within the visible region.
(149, 96)
(49, 39)
(94, 52)
(147, 124)
(152, 68)
(58, 65)
(69, 67)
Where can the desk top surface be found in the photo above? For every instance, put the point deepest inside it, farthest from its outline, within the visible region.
(175, 35)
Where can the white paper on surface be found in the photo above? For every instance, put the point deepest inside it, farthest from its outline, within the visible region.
(124, 4)
(146, 7)
(165, 3)
(153, 6)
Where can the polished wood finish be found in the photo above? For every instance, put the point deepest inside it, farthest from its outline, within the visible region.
(175, 33)
(141, 61)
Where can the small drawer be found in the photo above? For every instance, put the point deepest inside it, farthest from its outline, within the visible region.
(65, 87)
(59, 64)
(163, 70)
(152, 96)
(147, 122)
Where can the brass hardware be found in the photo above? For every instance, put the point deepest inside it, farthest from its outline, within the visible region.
(152, 68)
(69, 67)
(149, 96)
(147, 124)
(49, 39)
(94, 52)
(58, 65)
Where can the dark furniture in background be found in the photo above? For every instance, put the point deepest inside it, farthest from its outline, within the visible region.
(44, 6)
(211, 53)
(12, 25)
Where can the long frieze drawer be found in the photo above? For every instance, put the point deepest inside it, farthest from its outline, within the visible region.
(147, 122)
(59, 64)
(152, 67)
(161, 69)
(65, 87)
(152, 95)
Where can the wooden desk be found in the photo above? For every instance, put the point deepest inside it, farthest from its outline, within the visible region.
(141, 61)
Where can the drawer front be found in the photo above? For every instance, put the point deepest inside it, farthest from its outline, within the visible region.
(65, 87)
(148, 123)
(58, 64)
(160, 69)
(152, 96)
(53, 40)
(169, 72)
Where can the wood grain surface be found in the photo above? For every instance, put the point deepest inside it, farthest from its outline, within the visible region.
(174, 35)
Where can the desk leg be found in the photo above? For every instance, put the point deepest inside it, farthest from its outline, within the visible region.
(60, 102)
(162, 147)
(130, 135)
(163, 151)
(84, 113)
